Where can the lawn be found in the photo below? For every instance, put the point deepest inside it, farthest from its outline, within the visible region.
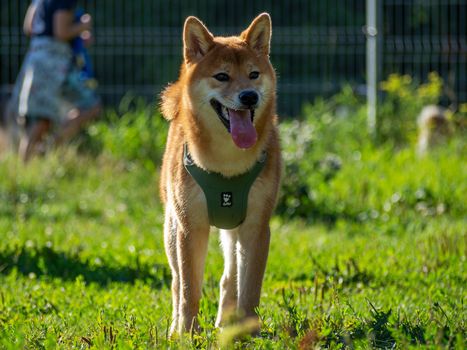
(82, 261)
(368, 246)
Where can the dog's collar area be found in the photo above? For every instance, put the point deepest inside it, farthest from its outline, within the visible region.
(227, 198)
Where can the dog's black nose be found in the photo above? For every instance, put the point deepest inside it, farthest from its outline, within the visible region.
(248, 98)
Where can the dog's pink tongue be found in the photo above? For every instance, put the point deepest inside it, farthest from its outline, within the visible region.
(241, 128)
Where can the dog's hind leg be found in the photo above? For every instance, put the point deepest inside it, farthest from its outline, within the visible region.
(191, 254)
(228, 284)
(252, 254)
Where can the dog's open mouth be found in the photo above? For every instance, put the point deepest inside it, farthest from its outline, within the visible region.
(238, 122)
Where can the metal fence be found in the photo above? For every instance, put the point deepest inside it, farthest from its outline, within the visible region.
(317, 46)
(425, 36)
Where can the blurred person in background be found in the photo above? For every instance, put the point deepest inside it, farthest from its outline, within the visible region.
(50, 93)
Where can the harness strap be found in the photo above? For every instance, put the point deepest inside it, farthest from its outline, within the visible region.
(227, 198)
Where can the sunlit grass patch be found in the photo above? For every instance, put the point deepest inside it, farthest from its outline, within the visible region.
(372, 256)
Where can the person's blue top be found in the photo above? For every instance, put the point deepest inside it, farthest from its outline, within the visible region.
(82, 59)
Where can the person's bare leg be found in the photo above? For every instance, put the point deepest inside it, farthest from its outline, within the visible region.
(33, 136)
(76, 119)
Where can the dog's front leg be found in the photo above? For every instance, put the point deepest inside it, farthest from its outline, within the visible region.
(191, 255)
(252, 254)
(228, 285)
(170, 243)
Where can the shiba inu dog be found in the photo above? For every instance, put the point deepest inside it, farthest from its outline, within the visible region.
(221, 166)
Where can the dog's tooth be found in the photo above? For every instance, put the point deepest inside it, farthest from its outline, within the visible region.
(225, 112)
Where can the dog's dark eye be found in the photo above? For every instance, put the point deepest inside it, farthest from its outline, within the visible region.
(254, 75)
(221, 77)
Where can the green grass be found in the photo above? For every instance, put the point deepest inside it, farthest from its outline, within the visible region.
(82, 263)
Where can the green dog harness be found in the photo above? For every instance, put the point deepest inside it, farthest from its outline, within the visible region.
(227, 198)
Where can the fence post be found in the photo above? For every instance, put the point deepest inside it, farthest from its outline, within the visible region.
(371, 31)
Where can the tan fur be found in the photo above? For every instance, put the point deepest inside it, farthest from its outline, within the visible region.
(194, 122)
(434, 128)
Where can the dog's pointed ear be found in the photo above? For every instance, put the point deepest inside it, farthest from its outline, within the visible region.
(258, 34)
(197, 40)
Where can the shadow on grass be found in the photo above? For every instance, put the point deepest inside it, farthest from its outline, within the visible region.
(44, 261)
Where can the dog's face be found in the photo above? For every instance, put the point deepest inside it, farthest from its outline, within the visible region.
(231, 83)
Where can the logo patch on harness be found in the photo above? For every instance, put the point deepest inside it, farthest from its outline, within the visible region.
(226, 199)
